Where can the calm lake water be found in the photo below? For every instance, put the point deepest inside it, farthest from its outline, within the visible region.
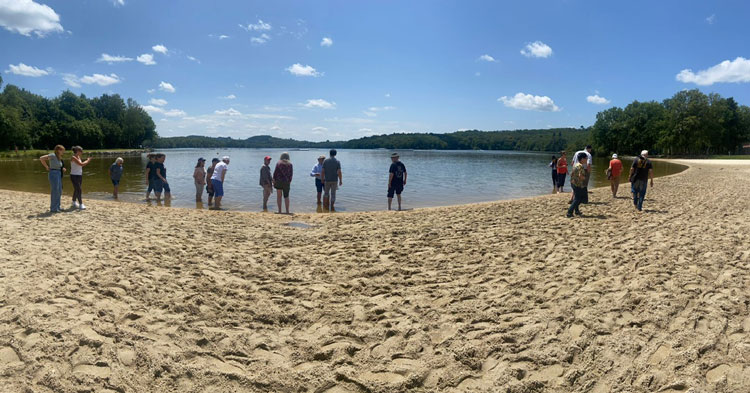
(436, 178)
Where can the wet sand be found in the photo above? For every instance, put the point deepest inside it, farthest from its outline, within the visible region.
(508, 296)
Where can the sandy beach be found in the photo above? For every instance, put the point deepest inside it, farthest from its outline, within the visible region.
(507, 296)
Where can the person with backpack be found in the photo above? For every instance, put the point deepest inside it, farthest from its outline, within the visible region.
(396, 180)
(640, 173)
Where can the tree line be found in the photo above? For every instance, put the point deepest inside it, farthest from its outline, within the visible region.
(690, 123)
(32, 121)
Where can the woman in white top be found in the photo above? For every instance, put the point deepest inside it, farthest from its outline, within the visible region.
(76, 176)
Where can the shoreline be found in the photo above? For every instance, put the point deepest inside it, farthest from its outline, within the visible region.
(35, 154)
(492, 296)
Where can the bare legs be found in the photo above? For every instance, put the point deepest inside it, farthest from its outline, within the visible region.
(278, 201)
(390, 202)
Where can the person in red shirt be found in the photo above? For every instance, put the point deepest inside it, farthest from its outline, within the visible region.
(562, 171)
(614, 170)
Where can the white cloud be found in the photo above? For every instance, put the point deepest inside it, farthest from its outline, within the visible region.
(275, 128)
(596, 99)
(370, 114)
(71, 80)
(160, 49)
(26, 70)
(105, 58)
(158, 102)
(735, 71)
(150, 91)
(229, 97)
(26, 16)
(260, 26)
(486, 57)
(537, 49)
(300, 70)
(118, 2)
(319, 103)
(261, 39)
(165, 112)
(381, 108)
(223, 37)
(146, 58)
(228, 112)
(319, 130)
(327, 41)
(164, 86)
(97, 79)
(530, 102)
(711, 19)
(387, 95)
(191, 58)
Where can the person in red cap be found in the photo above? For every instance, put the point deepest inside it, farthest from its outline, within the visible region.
(266, 181)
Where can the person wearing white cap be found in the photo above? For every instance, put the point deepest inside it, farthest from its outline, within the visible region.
(640, 173)
(217, 181)
(613, 173)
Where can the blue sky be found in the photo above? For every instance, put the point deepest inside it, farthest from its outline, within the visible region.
(345, 69)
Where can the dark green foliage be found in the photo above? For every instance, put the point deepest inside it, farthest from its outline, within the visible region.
(689, 123)
(527, 140)
(28, 120)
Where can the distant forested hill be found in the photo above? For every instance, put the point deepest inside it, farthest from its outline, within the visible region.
(526, 140)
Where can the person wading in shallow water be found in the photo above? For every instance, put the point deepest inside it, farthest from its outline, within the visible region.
(396, 180)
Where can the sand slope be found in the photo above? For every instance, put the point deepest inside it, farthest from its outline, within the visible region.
(507, 296)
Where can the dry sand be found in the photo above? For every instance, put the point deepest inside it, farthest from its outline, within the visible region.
(508, 296)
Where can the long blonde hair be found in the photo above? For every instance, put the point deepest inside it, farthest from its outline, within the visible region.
(61, 149)
(284, 156)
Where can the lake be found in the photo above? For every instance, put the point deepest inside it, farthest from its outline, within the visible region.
(435, 178)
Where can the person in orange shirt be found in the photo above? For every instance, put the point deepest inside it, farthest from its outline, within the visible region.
(614, 170)
(562, 171)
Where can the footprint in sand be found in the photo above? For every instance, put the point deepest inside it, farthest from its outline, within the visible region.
(9, 357)
(102, 371)
(660, 354)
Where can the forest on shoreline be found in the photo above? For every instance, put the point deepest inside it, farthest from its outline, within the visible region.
(31, 121)
(690, 123)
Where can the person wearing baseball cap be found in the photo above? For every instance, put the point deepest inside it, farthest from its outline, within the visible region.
(199, 178)
(396, 180)
(613, 173)
(266, 181)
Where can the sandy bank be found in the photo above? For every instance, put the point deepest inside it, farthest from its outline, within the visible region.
(506, 296)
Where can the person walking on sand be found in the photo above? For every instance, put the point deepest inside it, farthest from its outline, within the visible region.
(640, 173)
(76, 176)
(161, 183)
(217, 181)
(282, 180)
(396, 180)
(199, 178)
(587, 167)
(578, 183)
(553, 165)
(316, 171)
(115, 174)
(266, 181)
(54, 165)
(330, 173)
(562, 171)
(209, 186)
(614, 171)
(150, 174)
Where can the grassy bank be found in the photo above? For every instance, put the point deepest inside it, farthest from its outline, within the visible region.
(68, 153)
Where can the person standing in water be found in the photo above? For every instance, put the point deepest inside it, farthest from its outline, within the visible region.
(282, 180)
(76, 176)
(54, 165)
(199, 178)
(266, 181)
(217, 181)
(330, 173)
(396, 180)
(161, 183)
(150, 174)
(562, 171)
(553, 165)
(115, 174)
(209, 186)
(316, 171)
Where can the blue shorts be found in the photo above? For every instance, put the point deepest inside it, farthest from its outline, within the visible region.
(115, 182)
(160, 185)
(318, 185)
(218, 187)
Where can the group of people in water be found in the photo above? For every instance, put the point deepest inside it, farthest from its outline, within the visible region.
(640, 173)
(327, 174)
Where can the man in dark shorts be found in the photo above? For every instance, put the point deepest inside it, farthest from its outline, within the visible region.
(396, 180)
(209, 186)
(150, 174)
(640, 173)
